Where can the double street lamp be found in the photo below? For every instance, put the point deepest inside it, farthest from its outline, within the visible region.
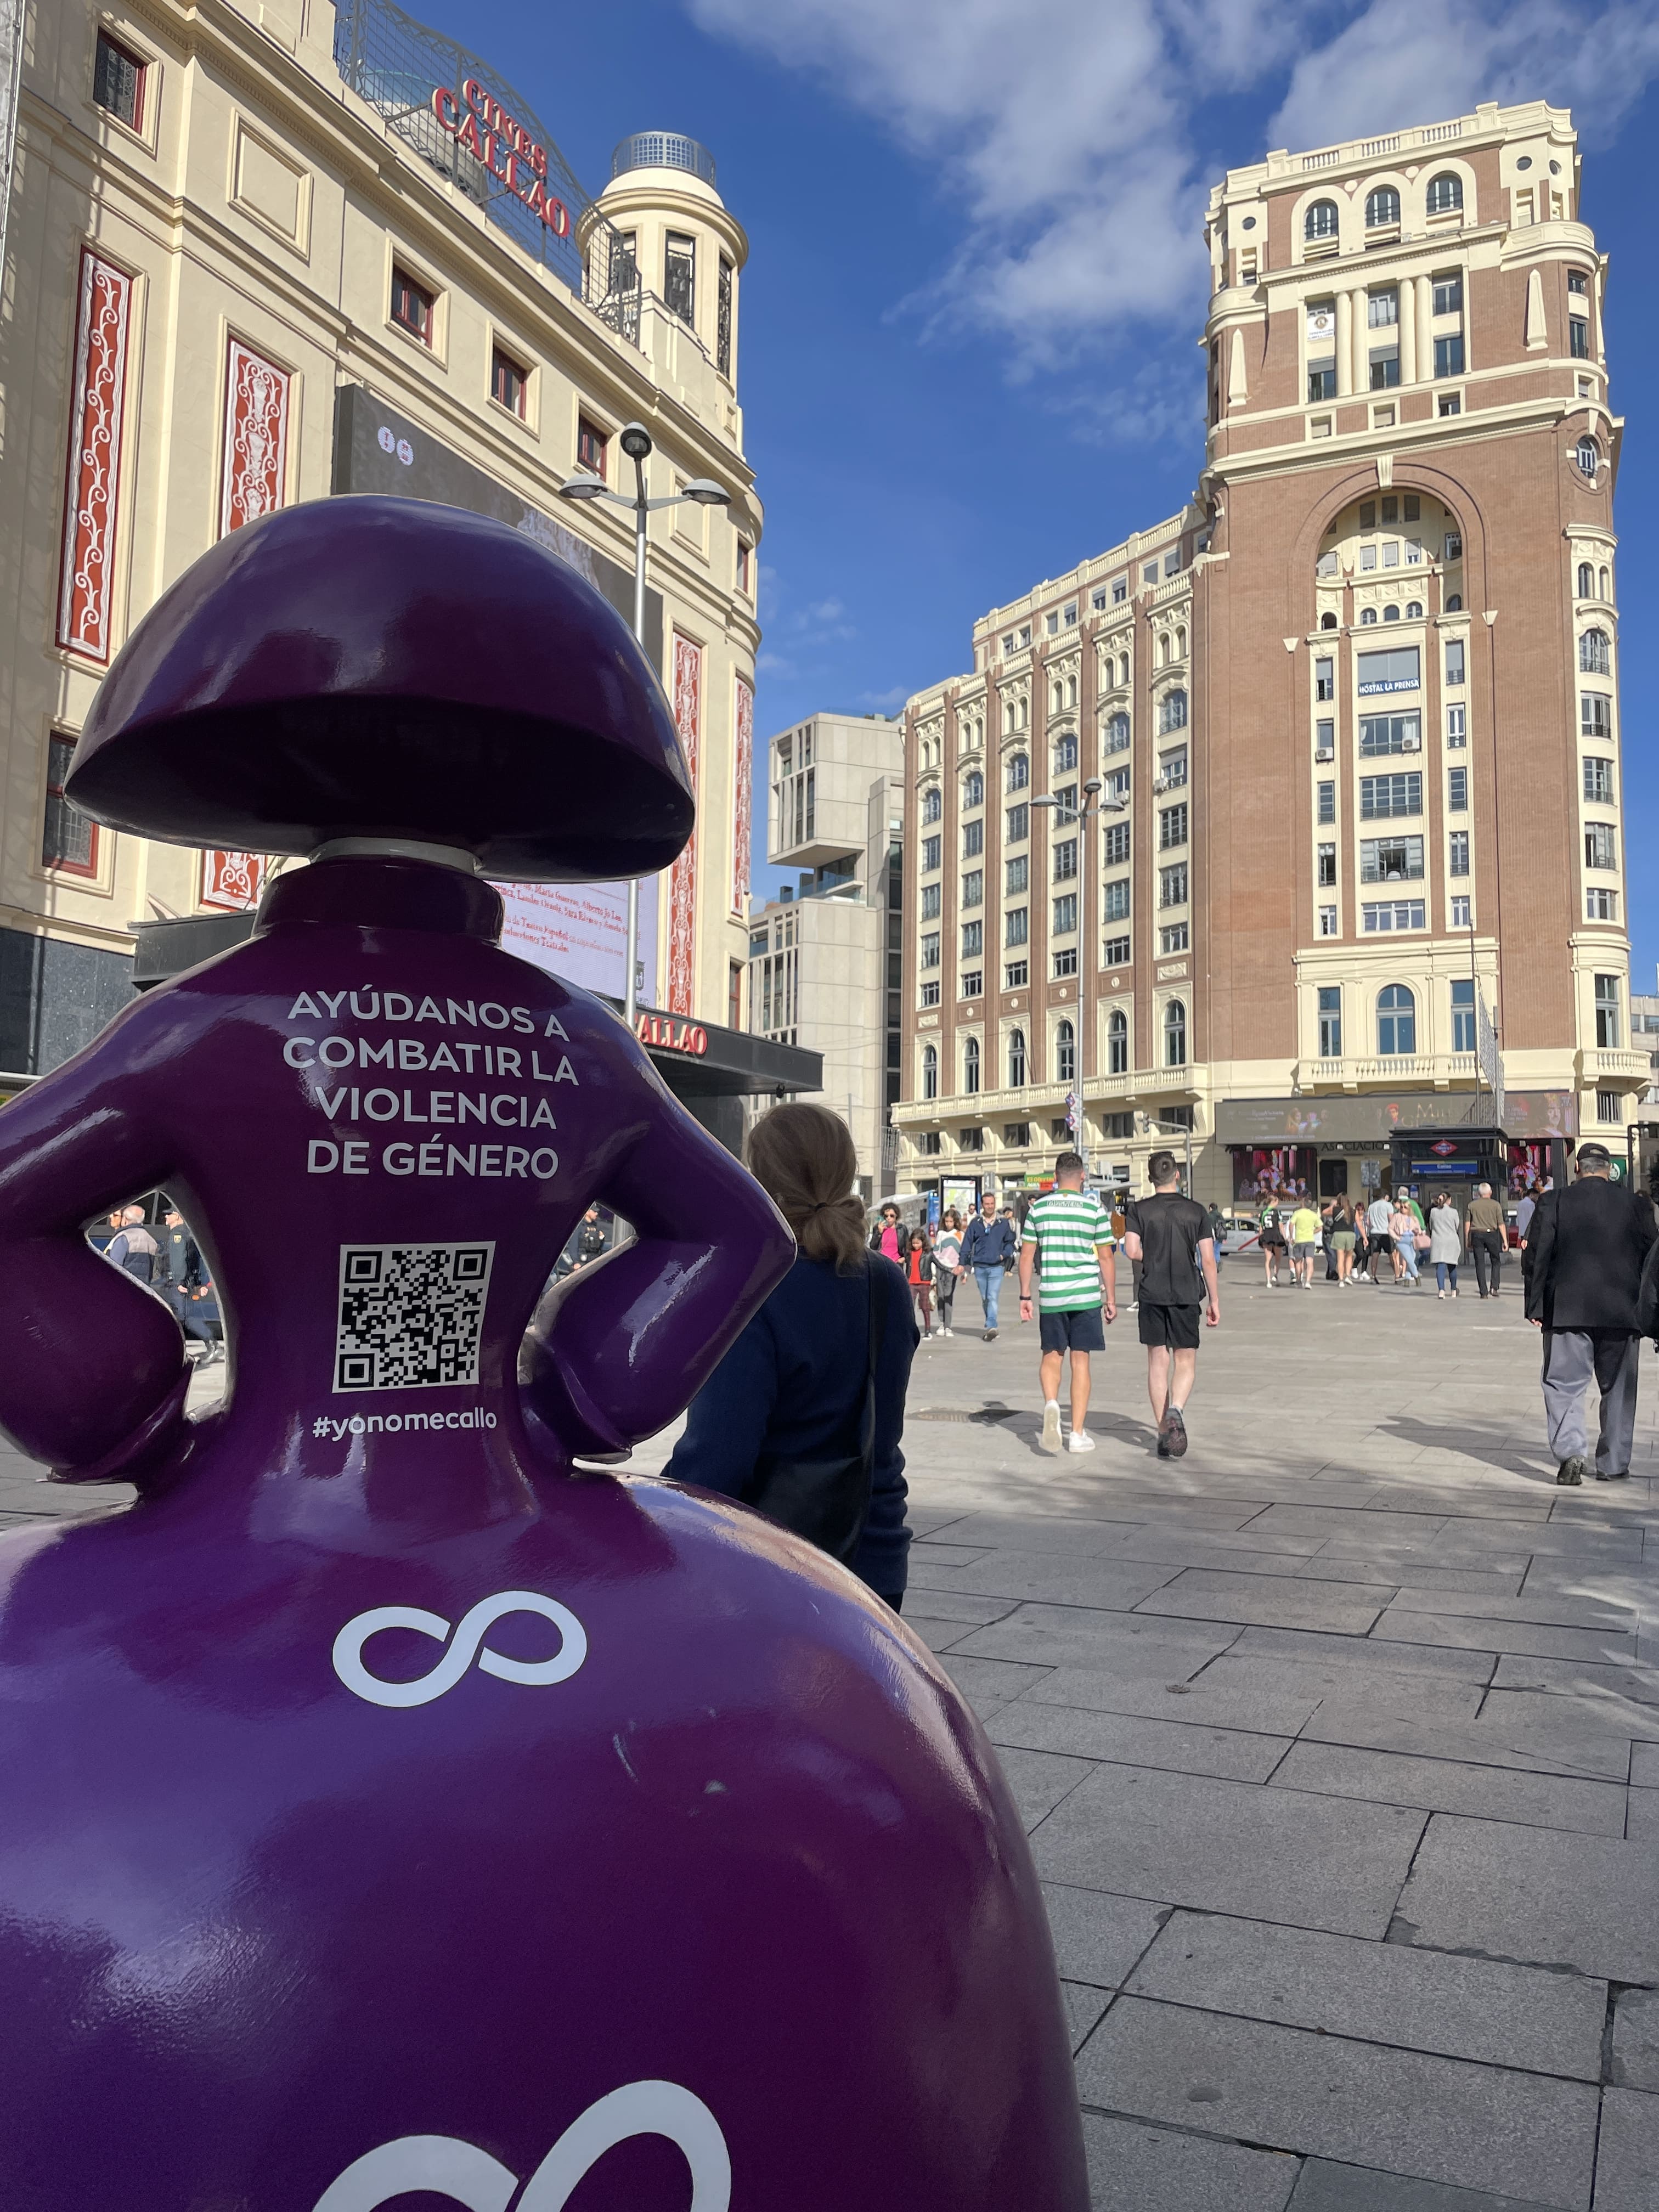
(1092, 808)
(636, 442)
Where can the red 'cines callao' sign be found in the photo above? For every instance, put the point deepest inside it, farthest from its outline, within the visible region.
(505, 148)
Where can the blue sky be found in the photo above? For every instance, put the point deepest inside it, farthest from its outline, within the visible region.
(959, 376)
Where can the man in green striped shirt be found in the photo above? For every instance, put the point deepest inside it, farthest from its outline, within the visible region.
(1071, 1229)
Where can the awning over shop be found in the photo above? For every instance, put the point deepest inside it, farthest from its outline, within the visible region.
(1357, 1121)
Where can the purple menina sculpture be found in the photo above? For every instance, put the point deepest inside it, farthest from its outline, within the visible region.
(390, 1808)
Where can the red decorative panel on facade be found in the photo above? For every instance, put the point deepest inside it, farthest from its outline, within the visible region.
(682, 878)
(254, 477)
(232, 881)
(98, 395)
(743, 773)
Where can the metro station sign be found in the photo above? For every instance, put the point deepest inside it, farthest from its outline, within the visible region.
(503, 146)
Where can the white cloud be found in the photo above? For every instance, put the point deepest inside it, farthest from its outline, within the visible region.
(1067, 134)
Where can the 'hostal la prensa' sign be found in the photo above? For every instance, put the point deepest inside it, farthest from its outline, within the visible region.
(491, 135)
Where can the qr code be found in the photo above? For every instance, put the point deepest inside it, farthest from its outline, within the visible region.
(410, 1315)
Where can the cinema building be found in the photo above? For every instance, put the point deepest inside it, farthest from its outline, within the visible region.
(263, 250)
(1349, 910)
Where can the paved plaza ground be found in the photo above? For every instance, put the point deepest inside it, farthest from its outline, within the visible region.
(1338, 1742)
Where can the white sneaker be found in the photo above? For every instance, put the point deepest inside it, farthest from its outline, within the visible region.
(1051, 1426)
(1079, 1440)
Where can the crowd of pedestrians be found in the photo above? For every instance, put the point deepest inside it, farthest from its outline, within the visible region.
(1388, 1239)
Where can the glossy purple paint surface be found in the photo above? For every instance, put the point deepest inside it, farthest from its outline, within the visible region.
(387, 1806)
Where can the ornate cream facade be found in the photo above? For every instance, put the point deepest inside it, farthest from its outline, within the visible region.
(242, 254)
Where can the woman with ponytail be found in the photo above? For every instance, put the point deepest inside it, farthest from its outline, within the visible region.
(803, 1417)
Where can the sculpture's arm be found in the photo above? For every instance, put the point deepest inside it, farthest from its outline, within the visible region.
(620, 1348)
(93, 1374)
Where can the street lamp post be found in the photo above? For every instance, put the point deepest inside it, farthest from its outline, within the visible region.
(1091, 809)
(636, 442)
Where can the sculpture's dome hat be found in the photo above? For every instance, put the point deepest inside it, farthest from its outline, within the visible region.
(365, 667)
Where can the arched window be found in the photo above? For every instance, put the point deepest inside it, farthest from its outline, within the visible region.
(933, 805)
(1454, 602)
(1381, 206)
(1445, 193)
(1019, 771)
(1320, 221)
(1327, 621)
(1180, 644)
(1123, 668)
(1065, 752)
(1163, 648)
(1065, 1053)
(1368, 614)
(1605, 587)
(930, 1070)
(1016, 1059)
(1025, 714)
(1174, 1033)
(1586, 581)
(1117, 1044)
(1588, 454)
(1172, 712)
(970, 1065)
(1390, 614)
(1058, 697)
(1595, 655)
(1396, 1021)
(1008, 717)
(973, 789)
(1414, 610)
(1115, 735)
(1071, 691)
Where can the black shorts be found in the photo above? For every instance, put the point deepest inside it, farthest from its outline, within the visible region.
(1082, 1330)
(1381, 1243)
(1177, 1327)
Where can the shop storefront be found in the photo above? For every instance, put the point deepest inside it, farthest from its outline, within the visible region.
(1284, 1149)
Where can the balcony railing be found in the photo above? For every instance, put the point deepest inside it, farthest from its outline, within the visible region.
(1439, 1069)
(1631, 1067)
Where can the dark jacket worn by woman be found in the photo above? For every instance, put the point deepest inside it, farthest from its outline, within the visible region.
(792, 1386)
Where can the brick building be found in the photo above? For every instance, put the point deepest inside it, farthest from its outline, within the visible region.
(1350, 909)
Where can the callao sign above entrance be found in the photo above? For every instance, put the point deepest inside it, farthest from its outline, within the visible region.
(506, 149)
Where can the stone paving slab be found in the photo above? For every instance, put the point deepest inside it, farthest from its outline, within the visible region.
(1231, 1847)
(1438, 2119)
(1496, 1578)
(1536, 1895)
(1456, 1630)
(1084, 2006)
(1627, 2168)
(1040, 1780)
(1204, 1703)
(1570, 1677)
(940, 1599)
(1234, 1755)
(1364, 1676)
(1644, 1765)
(1325, 2187)
(1635, 2063)
(1442, 1599)
(1595, 1712)
(1473, 2008)
(1134, 2168)
(1442, 1785)
(1097, 1936)
(1186, 1547)
(1555, 1747)
(1271, 1600)
(1106, 1581)
(1399, 1655)
(1053, 1635)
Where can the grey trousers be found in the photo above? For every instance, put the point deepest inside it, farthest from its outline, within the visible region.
(1572, 1357)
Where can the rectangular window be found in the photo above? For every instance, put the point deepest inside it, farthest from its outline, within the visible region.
(1172, 561)
(1016, 874)
(1176, 939)
(592, 445)
(1601, 845)
(1019, 824)
(1448, 294)
(973, 887)
(1391, 914)
(411, 306)
(1457, 791)
(745, 556)
(509, 385)
(723, 319)
(930, 995)
(1594, 714)
(1063, 861)
(930, 901)
(1385, 368)
(1325, 793)
(972, 987)
(1368, 557)
(1382, 734)
(972, 838)
(1399, 670)
(679, 275)
(1174, 767)
(1327, 865)
(930, 949)
(1114, 736)
(1598, 781)
(1382, 859)
(1097, 601)
(1070, 614)
(1119, 590)
(1391, 508)
(1116, 896)
(1449, 356)
(1458, 850)
(1368, 514)
(930, 853)
(1066, 793)
(1065, 914)
(1609, 1109)
(1324, 740)
(1450, 402)
(1457, 726)
(1462, 913)
(1117, 784)
(1115, 952)
(973, 939)
(1327, 921)
(1172, 886)
(1149, 572)
(1017, 926)
(1066, 961)
(69, 840)
(1578, 284)
(1016, 974)
(1330, 1021)
(1382, 309)
(1577, 338)
(118, 82)
(1606, 1013)
(1321, 381)
(1016, 1133)
(1600, 905)
(1324, 679)
(1171, 827)
(1051, 625)
(1115, 846)
(1381, 796)
(1462, 1014)
(1454, 663)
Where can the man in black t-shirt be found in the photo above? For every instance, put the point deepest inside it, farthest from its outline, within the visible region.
(1170, 1238)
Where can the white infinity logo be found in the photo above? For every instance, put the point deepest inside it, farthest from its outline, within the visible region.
(469, 1645)
(460, 2171)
